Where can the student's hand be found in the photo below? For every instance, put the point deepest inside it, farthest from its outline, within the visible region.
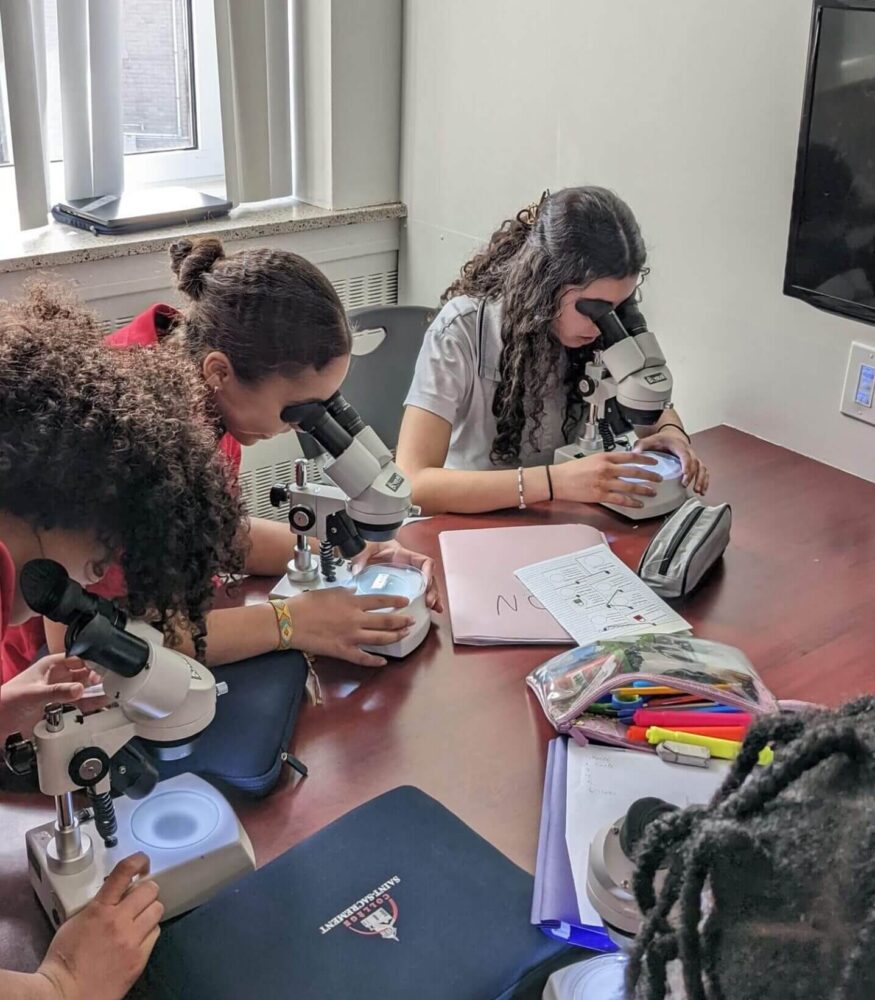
(674, 442)
(99, 953)
(53, 678)
(597, 479)
(336, 622)
(396, 555)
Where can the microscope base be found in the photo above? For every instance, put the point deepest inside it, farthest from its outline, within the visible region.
(417, 609)
(195, 843)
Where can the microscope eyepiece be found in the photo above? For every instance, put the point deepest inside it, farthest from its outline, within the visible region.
(95, 626)
(315, 420)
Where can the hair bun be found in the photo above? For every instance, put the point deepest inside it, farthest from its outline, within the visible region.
(192, 260)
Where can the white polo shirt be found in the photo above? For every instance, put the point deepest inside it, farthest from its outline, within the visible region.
(456, 377)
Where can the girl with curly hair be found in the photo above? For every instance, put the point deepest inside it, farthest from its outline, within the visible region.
(266, 330)
(496, 388)
(103, 457)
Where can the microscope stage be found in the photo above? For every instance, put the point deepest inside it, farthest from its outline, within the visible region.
(195, 843)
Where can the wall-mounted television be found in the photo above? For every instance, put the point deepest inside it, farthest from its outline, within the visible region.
(831, 249)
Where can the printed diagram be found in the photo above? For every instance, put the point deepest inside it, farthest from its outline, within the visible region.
(592, 594)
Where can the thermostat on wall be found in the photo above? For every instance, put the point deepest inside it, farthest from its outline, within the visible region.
(858, 396)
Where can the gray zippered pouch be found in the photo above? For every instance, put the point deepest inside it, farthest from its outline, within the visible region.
(685, 548)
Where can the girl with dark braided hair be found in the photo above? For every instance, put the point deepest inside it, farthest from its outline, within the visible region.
(769, 891)
(496, 384)
(266, 330)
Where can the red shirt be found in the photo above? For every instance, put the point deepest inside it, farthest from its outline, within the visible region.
(19, 646)
(7, 588)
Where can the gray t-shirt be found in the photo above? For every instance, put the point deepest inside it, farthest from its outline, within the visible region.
(456, 376)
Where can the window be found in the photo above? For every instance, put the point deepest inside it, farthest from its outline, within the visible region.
(170, 93)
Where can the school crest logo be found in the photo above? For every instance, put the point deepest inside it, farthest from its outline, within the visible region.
(374, 915)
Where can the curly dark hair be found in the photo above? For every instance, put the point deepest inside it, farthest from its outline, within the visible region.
(572, 237)
(116, 442)
(269, 311)
(786, 853)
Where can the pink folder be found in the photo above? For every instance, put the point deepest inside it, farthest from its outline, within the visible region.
(487, 604)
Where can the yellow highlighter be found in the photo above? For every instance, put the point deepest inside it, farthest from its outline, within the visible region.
(724, 749)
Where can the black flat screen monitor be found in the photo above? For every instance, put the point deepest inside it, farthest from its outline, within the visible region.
(831, 249)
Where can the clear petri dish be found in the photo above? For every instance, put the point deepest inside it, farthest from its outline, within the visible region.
(402, 581)
(666, 466)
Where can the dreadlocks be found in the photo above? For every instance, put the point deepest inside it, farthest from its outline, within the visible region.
(573, 237)
(785, 858)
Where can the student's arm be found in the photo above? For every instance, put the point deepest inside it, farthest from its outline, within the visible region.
(668, 435)
(271, 546)
(422, 451)
(333, 622)
(99, 953)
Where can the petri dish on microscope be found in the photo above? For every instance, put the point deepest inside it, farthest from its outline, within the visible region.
(666, 466)
(402, 581)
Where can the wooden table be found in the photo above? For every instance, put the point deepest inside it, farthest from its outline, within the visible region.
(796, 593)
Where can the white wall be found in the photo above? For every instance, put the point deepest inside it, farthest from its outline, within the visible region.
(689, 109)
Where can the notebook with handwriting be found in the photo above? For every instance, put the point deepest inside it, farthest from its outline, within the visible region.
(488, 605)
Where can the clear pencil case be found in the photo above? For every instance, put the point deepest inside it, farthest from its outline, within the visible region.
(574, 687)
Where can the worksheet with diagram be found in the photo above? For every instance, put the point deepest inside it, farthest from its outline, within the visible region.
(593, 595)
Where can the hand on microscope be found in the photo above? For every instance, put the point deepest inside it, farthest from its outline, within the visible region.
(394, 554)
(53, 678)
(336, 621)
(673, 439)
(100, 952)
(605, 478)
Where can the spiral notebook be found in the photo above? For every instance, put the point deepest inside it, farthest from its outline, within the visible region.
(488, 605)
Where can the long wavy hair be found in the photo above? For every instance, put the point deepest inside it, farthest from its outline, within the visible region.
(572, 237)
(119, 444)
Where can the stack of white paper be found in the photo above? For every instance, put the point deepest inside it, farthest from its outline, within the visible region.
(593, 595)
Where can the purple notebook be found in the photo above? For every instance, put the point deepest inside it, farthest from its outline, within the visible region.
(554, 901)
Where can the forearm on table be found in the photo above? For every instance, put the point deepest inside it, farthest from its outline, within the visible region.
(26, 986)
(457, 491)
(271, 546)
(236, 634)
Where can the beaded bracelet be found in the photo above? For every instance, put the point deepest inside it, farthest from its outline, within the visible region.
(283, 623)
(521, 488)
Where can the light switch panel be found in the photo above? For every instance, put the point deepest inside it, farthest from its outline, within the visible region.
(858, 397)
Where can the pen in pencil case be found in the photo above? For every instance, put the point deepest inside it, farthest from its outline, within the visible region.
(681, 718)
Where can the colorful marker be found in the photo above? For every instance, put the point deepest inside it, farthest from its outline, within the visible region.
(724, 749)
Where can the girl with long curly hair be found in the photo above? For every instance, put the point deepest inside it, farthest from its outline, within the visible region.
(266, 330)
(496, 388)
(103, 456)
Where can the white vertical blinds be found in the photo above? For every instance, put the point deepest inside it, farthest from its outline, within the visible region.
(105, 59)
(90, 57)
(23, 26)
(75, 100)
(254, 91)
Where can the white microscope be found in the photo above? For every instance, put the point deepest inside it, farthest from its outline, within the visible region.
(368, 498)
(194, 841)
(626, 384)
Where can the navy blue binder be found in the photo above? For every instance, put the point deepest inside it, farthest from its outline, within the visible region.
(396, 900)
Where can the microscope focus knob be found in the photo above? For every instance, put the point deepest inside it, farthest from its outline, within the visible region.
(301, 518)
(20, 754)
(88, 766)
(278, 495)
(587, 386)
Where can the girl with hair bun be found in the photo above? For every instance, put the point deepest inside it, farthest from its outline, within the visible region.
(496, 388)
(267, 330)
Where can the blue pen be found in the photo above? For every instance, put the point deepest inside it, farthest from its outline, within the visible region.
(718, 708)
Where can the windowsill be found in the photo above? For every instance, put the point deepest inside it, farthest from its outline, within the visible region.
(57, 244)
